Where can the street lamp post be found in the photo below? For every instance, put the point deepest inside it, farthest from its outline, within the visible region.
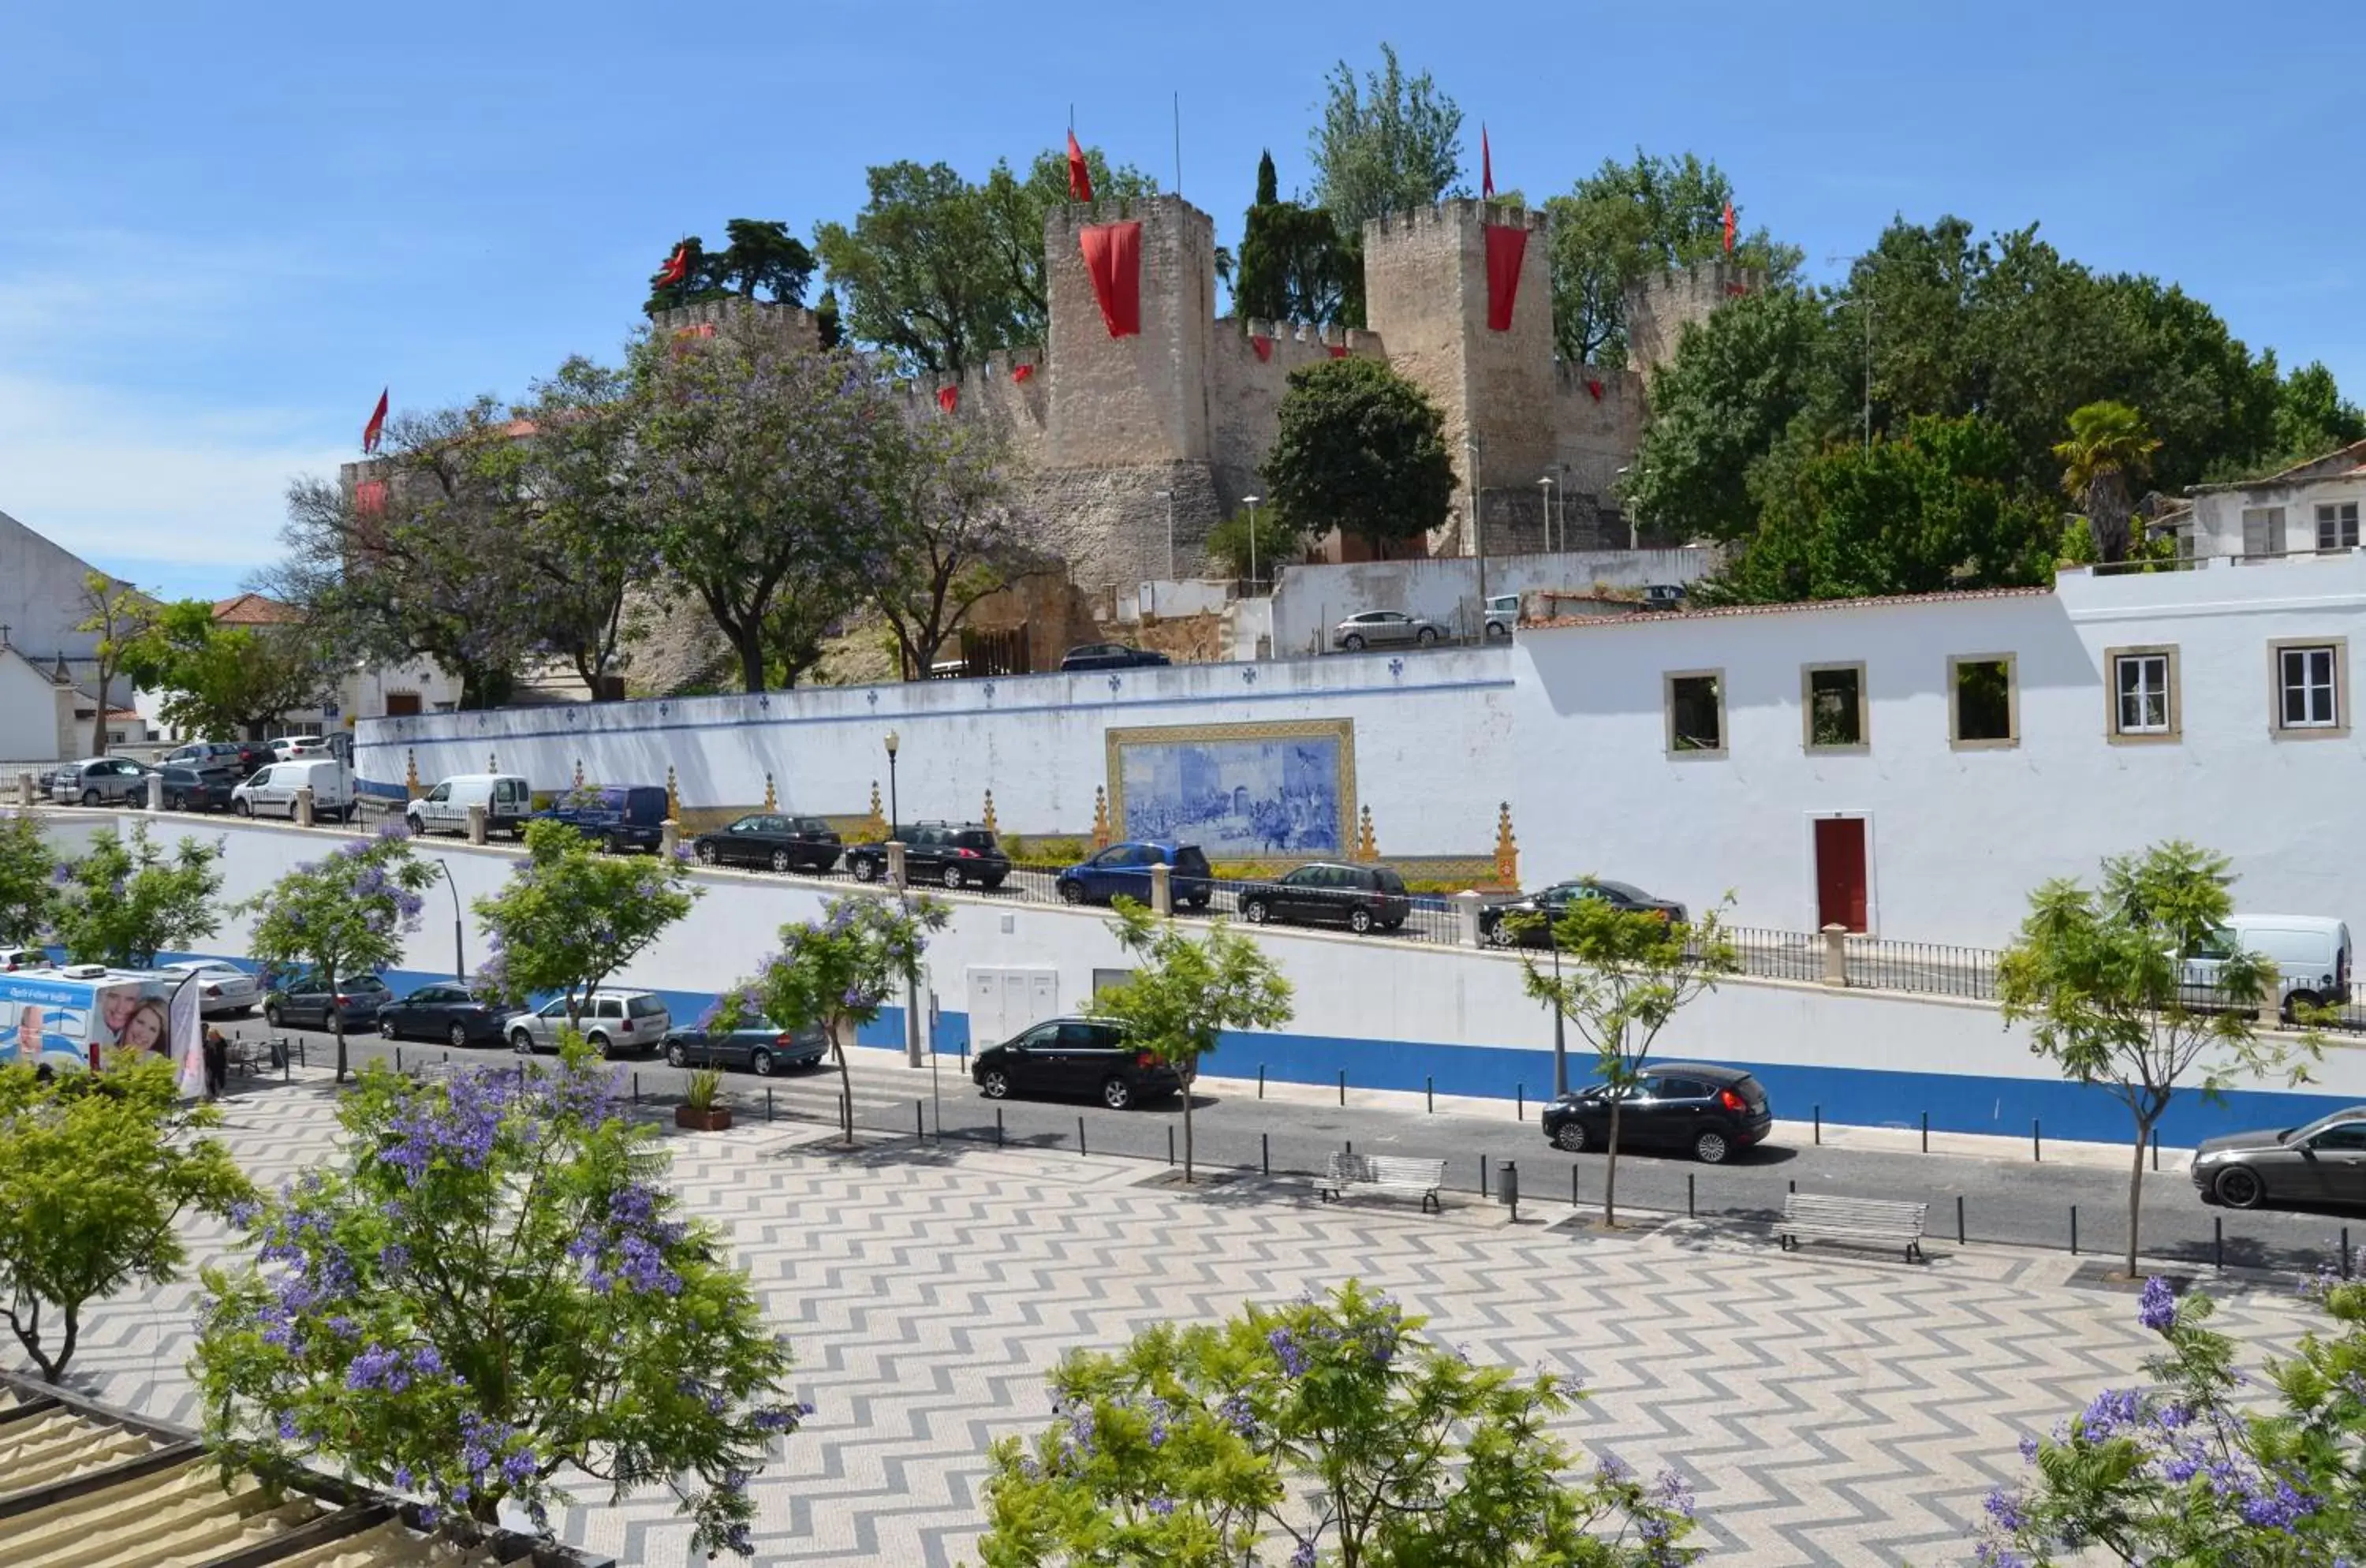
(893, 817)
(1560, 1039)
(459, 957)
(1547, 483)
(1251, 503)
(1478, 527)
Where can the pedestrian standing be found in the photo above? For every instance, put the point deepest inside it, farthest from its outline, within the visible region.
(216, 1049)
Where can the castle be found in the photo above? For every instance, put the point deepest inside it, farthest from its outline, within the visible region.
(1141, 429)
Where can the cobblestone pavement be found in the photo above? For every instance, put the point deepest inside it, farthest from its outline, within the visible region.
(1828, 1408)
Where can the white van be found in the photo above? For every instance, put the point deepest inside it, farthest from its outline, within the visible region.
(2310, 952)
(271, 791)
(506, 798)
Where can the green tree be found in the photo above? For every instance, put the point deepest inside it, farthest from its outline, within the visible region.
(954, 530)
(2207, 1463)
(836, 975)
(757, 254)
(1186, 992)
(121, 614)
(1251, 543)
(2312, 417)
(94, 1178)
(572, 915)
(1938, 508)
(491, 1289)
(585, 537)
(222, 683)
(1295, 266)
(1630, 973)
(1362, 448)
(27, 880)
(122, 903)
(1330, 1426)
(1628, 220)
(768, 468)
(2108, 453)
(1388, 143)
(2100, 975)
(342, 916)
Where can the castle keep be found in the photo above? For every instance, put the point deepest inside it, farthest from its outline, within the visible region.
(1166, 428)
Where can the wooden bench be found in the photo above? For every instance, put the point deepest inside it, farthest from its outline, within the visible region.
(1862, 1222)
(1384, 1173)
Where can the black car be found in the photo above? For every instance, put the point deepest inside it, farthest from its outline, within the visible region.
(1074, 1057)
(447, 1011)
(761, 1046)
(240, 757)
(622, 816)
(301, 1002)
(1544, 906)
(1710, 1112)
(769, 839)
(1110, 656)
(957, 854)
(1124, 870)
(1361, 898)
(2322, 1163)
(187, 788)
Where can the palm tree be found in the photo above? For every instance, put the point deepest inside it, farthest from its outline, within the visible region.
(2108, 453)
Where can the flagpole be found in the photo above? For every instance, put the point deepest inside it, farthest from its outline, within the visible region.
(1178, 141)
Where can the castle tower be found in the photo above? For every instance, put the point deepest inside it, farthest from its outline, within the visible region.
(1426, 293)
(1660, 307)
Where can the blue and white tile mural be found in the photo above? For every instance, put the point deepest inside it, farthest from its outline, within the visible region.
(1240, 792)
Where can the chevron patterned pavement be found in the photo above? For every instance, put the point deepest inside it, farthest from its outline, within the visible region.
(1828, 1408)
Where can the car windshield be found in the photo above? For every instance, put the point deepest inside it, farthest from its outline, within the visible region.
(2301, 1135)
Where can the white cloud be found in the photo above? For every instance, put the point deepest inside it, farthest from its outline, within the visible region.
(107, 474)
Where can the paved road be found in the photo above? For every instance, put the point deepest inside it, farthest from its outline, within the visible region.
(2013, 1200)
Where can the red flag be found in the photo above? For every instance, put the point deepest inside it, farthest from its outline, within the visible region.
(1486, 166)
(377, 426)
(1080, 178)
(1022, 372)
(1728, 228)
(1262, 344)
(677, 266)
(949, 398)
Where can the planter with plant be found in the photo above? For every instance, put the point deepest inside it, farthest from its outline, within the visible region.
(703, 1109)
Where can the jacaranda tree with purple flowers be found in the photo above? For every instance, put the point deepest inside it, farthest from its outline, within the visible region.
(2208, 1464)
(1327, 1431)
(572, 915)
(489, 1293)
(836, 974)
(342, 916)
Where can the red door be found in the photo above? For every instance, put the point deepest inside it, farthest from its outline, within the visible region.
(1840, 872)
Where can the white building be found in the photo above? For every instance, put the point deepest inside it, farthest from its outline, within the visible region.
(368, 691)
(2311, 506)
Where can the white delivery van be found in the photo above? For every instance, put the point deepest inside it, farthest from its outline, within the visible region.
(270, 791)
(506, 798)
(2311, 953)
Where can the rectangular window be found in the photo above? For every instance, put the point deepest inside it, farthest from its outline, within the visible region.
(2144, 693)
(2263, 530)
(1834, 698)
(1695, 707)
(2336, 526)
(1980, 691)
(2308, 687)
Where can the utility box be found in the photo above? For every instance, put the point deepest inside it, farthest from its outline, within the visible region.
(1002, 1002)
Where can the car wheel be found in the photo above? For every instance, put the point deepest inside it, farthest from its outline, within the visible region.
(1117, 1094)
(780, 862)
(176, 801)
(1359, 920)
(1569, 1137)
(675, 1054)
(1502, 934)
(1498, 632)
(953, 878)
(866, 871)
(2240, 1187)
(387, 1030)
(598, 1042)
(2296, 1001)
(1711, 1147)
(90, 797)
(243, 808)
(458, 1035)
(1072, 893)
(1426, 637)
(1352, 643)
(273, 1016)
(1253, 911)
(706, 854)
(760, 1064)
(994, 1083)
(522, 1043)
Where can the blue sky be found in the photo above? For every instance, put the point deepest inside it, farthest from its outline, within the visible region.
(223, 228)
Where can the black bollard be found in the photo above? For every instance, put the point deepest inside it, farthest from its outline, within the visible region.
(919, 1123)
(1170, 1146)
(767, 1102)
(397, 1059)
(1520, 1102)
(636, 1088)
(1926, 1132)
(2037, 1144)
(1512, 1189)
(1482, 1176)
(1265, 1153)
(1080, 1134)
(1573, 1184)
(1959, 1219)
(997, 1127)
(1260, 1080)
(2073, 1230)
(1429, 1093)
(1342, 1086)
(1819, 1123)
(2218, 1240)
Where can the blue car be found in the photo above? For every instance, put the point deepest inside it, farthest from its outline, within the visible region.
(1125, 869)
(621, 816)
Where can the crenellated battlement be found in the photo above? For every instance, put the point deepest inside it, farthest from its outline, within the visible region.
(711, 313)
(1454, 213)
(1072, 215)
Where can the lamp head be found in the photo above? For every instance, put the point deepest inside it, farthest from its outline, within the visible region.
(893, 742)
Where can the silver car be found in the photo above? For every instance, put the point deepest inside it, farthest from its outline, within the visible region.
(223, 988)
(1383, 628)
(612, 1022)
(1503, 614)
(100, 780)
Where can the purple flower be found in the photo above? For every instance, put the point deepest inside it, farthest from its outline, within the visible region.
(2004, 1510)
(2158, 1308)
(288, 1430)
(1162, 1507)
(402, 1478)
(1285, 1348)
(243, 1213)
(1304, 1556)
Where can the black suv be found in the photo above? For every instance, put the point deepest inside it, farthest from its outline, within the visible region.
(955, 854)
(1711, 1113)
(188, 788)
(622, 816)
(1361, 898)
(1074, 1057)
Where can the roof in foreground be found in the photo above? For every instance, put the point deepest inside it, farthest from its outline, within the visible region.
(1793, 606)
(87, 1485)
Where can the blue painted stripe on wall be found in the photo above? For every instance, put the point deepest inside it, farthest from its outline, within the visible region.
(1847, 1096)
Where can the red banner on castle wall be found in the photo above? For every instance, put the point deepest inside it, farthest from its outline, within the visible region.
(1506, 245)
(1022, 372)
(1263, 344)
(369, 498)
(1338, 350)
(949, 398)
(1113, 260)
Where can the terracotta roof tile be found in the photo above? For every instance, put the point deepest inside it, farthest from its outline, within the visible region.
(252, 610)
(1787, 606)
